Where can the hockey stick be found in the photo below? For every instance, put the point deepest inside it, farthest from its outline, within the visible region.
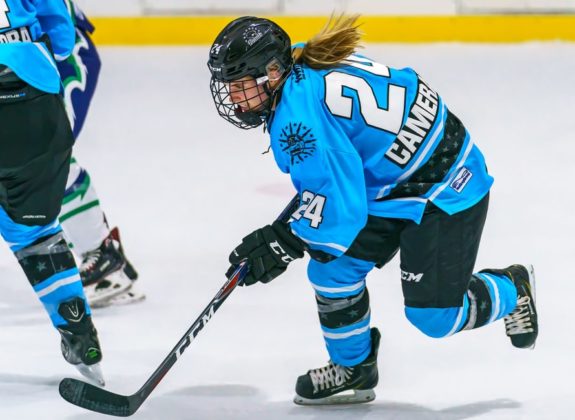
(91, 397)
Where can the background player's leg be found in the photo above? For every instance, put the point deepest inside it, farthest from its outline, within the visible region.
(51, 270)
(84, 223)
(106, 273)
(82, 217)
(37, 146)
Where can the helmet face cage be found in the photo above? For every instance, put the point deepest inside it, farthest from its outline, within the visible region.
(241, 113)
(253, 47)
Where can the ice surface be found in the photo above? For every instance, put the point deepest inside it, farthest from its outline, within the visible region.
(185, 187)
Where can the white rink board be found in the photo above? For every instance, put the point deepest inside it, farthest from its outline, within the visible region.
(321, 7)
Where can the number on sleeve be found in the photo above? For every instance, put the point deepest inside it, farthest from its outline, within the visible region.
(311, 208)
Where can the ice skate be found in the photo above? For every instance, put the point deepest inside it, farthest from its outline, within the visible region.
(132, 295)
(80, 345)
(101, 293)
(336, 384)
(129, 269)
(521, 324)
(101, 262)
(108, 258)
(115, 290)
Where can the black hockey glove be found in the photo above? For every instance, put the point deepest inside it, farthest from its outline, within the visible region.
(268, 252)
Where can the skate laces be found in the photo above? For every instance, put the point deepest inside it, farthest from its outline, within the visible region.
(329, 376)
(519, 321)
(90, 259)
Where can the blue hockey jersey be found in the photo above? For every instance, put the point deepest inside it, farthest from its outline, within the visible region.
(363, 139)
(22, 24)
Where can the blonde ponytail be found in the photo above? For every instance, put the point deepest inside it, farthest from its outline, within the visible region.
(339, 38)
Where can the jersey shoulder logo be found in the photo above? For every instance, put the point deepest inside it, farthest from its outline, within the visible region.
(297, 140)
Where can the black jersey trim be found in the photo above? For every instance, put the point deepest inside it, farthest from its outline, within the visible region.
(437, 166)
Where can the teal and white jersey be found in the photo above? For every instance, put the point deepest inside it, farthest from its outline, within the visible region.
(22, 23)
(363, 139)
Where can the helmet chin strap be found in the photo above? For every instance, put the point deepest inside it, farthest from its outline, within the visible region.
(275, 94)
(252, 118)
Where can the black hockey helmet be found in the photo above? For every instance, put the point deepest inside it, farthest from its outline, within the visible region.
(247, 46)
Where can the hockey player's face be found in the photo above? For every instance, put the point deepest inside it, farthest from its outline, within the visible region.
(247, 94)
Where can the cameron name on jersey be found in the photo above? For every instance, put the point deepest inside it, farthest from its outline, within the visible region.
(421, 119)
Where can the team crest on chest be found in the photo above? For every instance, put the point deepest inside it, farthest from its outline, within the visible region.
(297, 140)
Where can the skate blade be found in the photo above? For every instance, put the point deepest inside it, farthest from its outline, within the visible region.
(105, 301)
(92, 372)
(531, 272)
(99, 298)
(356, 396)
(127, 298)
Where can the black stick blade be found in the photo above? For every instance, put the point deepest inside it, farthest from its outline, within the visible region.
(96, 399)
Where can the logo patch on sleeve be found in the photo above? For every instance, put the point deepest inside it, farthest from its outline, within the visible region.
(461, 180)
(297, 140)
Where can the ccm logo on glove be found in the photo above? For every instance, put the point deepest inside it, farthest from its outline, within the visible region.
(268, 251)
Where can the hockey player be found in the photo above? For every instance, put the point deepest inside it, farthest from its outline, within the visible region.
(36, 143)
(106, 273)
(381, 165)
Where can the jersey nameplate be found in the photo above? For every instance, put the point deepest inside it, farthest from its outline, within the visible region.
(421, 119)
(15, 35)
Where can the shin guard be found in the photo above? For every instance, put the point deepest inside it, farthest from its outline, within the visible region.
(51, 270)
(480, 305)
(345, 325)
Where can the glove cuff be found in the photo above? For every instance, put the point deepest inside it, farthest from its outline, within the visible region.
(295, 245)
